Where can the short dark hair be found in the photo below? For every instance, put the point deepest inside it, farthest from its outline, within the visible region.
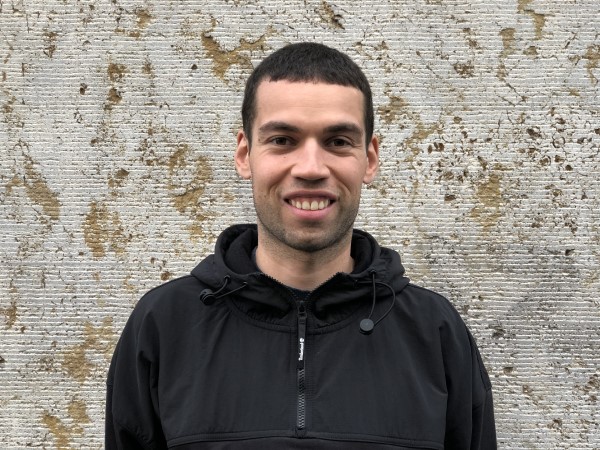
(307, 62)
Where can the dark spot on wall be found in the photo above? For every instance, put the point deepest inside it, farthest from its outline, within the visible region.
(82, 88)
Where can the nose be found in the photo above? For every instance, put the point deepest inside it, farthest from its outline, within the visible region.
(310, 162)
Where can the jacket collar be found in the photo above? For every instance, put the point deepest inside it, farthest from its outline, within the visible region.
(264, 298)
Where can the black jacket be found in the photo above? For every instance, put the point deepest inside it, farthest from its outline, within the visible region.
(229, 358)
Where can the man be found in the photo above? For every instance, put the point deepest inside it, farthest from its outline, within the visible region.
(299, 332)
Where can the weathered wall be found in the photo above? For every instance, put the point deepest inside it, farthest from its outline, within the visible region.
(117, 127)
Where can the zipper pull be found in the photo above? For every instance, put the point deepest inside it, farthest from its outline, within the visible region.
(301, 333)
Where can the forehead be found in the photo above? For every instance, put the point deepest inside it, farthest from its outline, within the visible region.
(307, 101)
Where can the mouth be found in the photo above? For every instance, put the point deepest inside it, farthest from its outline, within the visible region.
(310, 204)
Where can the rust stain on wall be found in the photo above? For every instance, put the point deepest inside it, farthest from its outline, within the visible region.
(224, 59)
(100, 339)
(103, 231)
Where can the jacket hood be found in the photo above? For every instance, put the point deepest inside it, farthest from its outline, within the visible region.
(231, 268)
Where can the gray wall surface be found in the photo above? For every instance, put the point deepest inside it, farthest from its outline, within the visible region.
(117, 130)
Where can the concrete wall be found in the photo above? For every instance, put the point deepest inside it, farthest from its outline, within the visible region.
(117, 127)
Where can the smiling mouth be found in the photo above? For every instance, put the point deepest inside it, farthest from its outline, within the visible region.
(310, 204)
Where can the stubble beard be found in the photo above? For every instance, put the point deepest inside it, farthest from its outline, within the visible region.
(307, 238)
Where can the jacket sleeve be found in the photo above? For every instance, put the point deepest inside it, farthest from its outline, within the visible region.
(483, 435)
(470, 414)
(132, 416)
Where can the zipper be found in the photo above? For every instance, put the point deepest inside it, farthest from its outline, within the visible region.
(300, 369)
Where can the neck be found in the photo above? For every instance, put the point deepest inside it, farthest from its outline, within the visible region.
(303, 270)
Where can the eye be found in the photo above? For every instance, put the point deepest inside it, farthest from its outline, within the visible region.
(339, 142)
(281, 140)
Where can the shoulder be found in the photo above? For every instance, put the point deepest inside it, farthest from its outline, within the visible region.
(429, 303)
(168, 301)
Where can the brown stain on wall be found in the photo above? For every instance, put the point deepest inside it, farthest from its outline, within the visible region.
(224, 59)
(116, 72)
(508, 48)
(489, 195)
(49, 43)
(64, 433)
(189, 199)
(99, 339)
(539, 20)
(592, 55)
(10, 314)
(36, 189)
(329, 16)
(390, 112)
(143, 18)
(103, 231)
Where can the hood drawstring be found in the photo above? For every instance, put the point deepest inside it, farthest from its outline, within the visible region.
(208, 297)
(367, 325)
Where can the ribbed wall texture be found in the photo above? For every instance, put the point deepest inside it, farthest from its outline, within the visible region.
(117, 130)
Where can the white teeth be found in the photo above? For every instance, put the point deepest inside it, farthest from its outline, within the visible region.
(313, 205)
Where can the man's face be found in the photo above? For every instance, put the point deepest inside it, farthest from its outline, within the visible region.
(307, 162)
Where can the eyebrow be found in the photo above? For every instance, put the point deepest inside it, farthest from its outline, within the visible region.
(344, 127)
(277, 126)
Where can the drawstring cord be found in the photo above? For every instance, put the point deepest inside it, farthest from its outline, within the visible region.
(367, 325)
(208, 297)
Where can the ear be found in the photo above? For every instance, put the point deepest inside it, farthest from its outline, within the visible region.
(372, 160)
(242, 156)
